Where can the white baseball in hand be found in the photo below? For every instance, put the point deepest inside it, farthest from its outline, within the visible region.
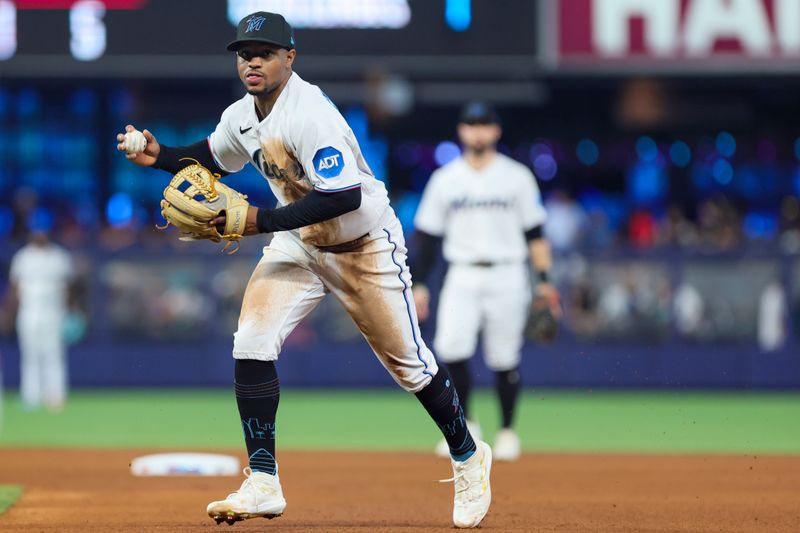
(135, 142)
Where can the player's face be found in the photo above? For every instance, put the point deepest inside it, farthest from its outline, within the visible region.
(478, 137)
(263, 67)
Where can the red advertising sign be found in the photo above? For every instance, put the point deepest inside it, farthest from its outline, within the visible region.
(673, 33)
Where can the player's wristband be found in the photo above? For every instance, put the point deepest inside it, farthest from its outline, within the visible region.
(174, 158)
(543, 277)
(264, 220)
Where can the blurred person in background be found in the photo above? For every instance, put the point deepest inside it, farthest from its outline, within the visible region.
(582, 307)
(41, 274)
(23, 204)
(677, 229)
(642, 229)
(487, 209)
(566, 221)
(689, 310)
(772, 314)
(789, 239)
(720, 224)
(615, 304)
(600, 233)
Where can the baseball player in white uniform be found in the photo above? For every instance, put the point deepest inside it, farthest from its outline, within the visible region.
(334, 232)
(41, 273)
(487, 209)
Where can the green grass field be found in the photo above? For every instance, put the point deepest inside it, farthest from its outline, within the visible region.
(550, 421)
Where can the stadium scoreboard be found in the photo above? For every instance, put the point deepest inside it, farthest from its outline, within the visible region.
(93, 37)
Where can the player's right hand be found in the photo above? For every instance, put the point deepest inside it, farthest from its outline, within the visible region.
(146, 158)
(422, 300)
(549, 293)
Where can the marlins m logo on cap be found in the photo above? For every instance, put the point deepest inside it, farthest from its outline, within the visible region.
(263, 27)
(254, 24)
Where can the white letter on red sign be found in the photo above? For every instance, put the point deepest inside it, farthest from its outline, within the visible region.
(787, 24)
(744, 20)
(611, 25)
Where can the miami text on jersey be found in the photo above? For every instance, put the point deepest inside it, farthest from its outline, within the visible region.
(481, 203)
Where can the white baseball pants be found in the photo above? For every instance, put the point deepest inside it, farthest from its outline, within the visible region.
(493, 300)
(43, 369)
(372, 282)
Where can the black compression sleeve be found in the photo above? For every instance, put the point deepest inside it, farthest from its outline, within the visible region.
(169, 158)
(534, 233)
(310, 209)
(424, 247)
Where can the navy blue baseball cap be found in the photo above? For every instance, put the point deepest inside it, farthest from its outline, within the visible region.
(479, 113)
(263, 27)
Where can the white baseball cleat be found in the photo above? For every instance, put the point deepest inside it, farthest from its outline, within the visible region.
(507, 446)
(260, 496)
(443, 450)
(473, 490)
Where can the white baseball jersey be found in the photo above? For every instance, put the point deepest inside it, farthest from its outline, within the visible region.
(482, 214)
(42, 276)
(303, 143)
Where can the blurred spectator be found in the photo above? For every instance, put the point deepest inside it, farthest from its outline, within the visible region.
(566, 221)
(24, 202)
(41, 273)
(677, 229)
(688, 309)
(790, 225)
(582, 308)
(643, 104)
(600, 234)
(615, 306)
(387, 96)
(772, 312)
(119, 237)
(642, 229)
(720, 224)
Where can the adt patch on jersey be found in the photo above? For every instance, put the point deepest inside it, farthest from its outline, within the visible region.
(328, 162)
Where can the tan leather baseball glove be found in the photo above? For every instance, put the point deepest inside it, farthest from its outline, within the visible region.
(194, 197)
(542, 324)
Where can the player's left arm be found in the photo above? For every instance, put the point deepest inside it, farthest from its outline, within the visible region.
(430, 223)
(541, 259)
(321, 146)
(311, 209)
(539, 251)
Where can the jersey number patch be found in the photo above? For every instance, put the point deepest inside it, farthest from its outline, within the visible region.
(328, 162)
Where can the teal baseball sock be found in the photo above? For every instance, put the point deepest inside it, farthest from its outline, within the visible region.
(440, 399)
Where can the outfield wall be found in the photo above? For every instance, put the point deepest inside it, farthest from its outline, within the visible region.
(564, 364)
(160, 317)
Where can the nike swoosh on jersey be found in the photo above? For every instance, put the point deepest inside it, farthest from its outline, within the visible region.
(243, 131)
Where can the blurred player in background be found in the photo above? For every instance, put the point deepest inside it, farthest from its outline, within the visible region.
(41, 275)
(335, 232)
(487, 209)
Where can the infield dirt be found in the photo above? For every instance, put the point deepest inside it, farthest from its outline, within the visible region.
(88, 491)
